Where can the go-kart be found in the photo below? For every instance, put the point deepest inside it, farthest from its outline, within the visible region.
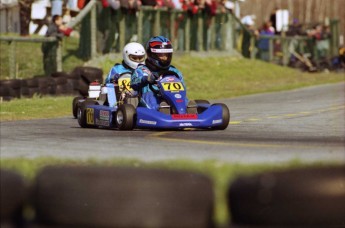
(123, 111)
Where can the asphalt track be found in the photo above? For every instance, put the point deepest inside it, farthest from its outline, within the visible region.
(305, 124)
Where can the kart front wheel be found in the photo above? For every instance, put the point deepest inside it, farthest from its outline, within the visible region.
(225, 117)
(125, 117)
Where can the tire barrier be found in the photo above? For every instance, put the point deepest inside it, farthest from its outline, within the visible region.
(122, 197)
(10, 89)
(59, 83)
(311, 197)
(86, 75)
(94, 196)
(13, 194)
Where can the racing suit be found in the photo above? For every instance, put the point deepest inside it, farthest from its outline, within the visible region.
(140, 83)
(116, 71)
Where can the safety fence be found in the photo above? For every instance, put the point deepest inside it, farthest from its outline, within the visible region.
(103, 30)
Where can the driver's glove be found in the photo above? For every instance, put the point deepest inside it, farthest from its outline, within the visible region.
(148, 76)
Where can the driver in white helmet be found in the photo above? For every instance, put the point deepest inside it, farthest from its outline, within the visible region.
(133, 54)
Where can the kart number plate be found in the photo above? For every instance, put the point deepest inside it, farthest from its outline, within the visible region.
(90, 116)
(124, 84)
(173, 86)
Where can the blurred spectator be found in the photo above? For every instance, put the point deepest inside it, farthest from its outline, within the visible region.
(295, 29)
(191, 6)
(321, 35)
(263, 43)
(227, 6)
(130, 6)
(49, 49)
(114, 4)
(273, 19)
(177, 4)
(249, 33)
(152, 3)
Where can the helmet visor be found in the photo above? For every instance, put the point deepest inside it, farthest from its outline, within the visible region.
(137, 58)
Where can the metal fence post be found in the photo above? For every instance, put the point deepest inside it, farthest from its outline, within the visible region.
(59, 54)
(140, 26)
(187, 34)
(122, 34)
(93, 32)
(157, 22)
(270, 49)
(12, 59)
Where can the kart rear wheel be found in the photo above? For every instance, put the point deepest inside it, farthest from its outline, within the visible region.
(225, 117)
(81, 113)
(75, 106)
(124, 117)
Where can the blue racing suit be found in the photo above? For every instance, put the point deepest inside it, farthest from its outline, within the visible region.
(116, 71)
(140, 83)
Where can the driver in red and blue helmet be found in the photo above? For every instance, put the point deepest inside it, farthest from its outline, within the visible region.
(159, 52)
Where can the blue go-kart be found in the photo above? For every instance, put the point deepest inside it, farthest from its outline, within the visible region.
(121, 109)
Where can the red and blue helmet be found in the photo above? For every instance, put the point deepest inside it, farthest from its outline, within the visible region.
(155, 48)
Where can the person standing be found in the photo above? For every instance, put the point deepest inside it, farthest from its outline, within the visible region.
(49, 49)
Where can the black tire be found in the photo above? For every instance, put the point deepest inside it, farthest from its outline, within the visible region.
(123, 197)
(5, 91)
(11, 83)
(88, 74)
(60, 74)
(75, 106)
(305, 197)
(200, 102)
(225, 117)
(125, 117)
(32, 82)
(13, 195)
(81, 113)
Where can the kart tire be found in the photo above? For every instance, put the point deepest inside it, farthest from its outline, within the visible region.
(201, 102)
(225, 117)
(13, 195)
(75, 106)
(72, 196)
(124, 117)
(304, 197)
(81, 113)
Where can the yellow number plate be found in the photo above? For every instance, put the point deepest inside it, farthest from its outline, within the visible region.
(173, 86)
(90, 116)
(124, 84)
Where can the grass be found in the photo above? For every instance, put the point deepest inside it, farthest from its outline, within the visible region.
(206, 78)
(29, 58)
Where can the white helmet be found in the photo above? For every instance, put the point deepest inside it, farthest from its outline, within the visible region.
(133, 54)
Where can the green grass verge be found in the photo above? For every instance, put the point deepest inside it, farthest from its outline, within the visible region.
(29, 58)
(206, 78)
(221, 173)
(220, 77)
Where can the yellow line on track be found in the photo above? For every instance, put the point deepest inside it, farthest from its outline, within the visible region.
(163, 136)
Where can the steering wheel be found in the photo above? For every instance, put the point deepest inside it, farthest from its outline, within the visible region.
(169, 73)
(163, 75)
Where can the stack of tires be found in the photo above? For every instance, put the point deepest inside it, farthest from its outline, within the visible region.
(10, 89)
(94, 196)
(66, 196)
(304, 197)
(59, 83)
